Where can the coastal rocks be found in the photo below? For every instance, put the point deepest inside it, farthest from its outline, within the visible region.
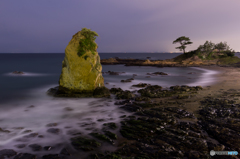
(35, 147)
(7, 153)
(128, 80)
(125, 95)
(102, 137)
(141, 85)
(18, 72)
(81, 68)
(181, 92)
(100, 92)
(85, 144)
(157, 73)
(25, 156)
(110, 61)
(113, 73)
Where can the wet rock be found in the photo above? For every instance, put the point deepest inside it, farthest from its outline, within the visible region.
(5, 131)
(110, 135)
(51, 156)
(35, 147)
(115, 90)
(20, 146)
(18, 72)
(65, 152)
(142, 99)
(159, 73)
(54, 131)
(102, 137)
(110, 125)
(100, 92)
(125, 95)
(113, 73)
(25, 156)
(7, 153)
(140, 85)
(47, 148)
(27, 131)
(31, 135)
(68, 109)
(127, 80)
(85, 144)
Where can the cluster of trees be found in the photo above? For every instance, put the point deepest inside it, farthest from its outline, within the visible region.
(208, 47)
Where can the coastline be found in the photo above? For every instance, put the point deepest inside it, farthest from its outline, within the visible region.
(132, 136)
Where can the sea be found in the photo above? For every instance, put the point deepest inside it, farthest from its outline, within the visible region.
(28, 115)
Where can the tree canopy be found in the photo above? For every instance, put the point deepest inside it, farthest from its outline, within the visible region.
(183, 42)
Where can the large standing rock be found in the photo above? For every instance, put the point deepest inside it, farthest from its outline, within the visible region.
(81, 67)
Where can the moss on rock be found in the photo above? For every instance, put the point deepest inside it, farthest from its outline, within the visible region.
(81, 75)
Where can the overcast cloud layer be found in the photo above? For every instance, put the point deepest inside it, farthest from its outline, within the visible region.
(47, 26)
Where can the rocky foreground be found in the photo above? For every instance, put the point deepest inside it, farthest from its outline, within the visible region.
(178, 122)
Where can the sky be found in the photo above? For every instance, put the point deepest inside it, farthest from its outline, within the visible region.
(47, 26)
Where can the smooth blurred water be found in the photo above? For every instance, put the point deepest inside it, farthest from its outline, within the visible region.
(24, 102)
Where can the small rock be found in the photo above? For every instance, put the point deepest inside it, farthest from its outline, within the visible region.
(25, 156)
(68, 109)
(35, 147)
(51, 156)
(54, 130)
(7, 153)
(20, 146)
(47, 148)
(65, 152)
(52, 124)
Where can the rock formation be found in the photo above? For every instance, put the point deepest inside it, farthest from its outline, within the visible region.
(81, 68)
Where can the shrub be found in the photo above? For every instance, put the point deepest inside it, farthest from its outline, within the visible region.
(88, 42)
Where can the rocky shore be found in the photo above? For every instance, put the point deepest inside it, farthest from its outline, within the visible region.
(177, 122)
(175, 62)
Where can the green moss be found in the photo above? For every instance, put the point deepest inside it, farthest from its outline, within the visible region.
(102, 137)
(84, 143)
(101, 92)
(111, 125)
(111, 135)
(88, 42)
(228, 60)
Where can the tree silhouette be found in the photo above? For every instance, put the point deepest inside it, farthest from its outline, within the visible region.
(183, 42)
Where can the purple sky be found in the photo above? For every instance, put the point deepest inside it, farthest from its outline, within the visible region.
(46, 26)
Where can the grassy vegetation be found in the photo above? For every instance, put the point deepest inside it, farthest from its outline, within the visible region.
(88, 42)
(228, 60)
(185, 56)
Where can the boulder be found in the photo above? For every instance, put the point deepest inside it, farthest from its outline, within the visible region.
(81, 68)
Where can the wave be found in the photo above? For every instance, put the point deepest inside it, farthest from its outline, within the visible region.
(207, 78)
(26, 74)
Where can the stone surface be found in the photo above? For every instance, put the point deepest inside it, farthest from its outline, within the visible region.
(81, 73)
(25, 156)
(7, 153)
